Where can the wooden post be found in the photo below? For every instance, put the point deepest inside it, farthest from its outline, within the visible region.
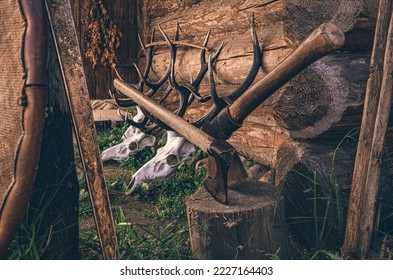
(374, 166)
(357, 206)
(68, 52)
(251, 226)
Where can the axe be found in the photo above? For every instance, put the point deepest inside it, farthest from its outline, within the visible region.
(224, 166)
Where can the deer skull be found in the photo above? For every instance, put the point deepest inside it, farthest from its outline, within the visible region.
(134, 140)
(165, 163)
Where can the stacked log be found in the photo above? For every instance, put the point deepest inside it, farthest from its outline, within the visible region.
(344, 74)
(297, 131)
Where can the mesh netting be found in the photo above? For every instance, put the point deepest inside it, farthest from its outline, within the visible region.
(11, 84)
(306, 15)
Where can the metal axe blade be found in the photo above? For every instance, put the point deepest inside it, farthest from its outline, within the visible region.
(224, 165)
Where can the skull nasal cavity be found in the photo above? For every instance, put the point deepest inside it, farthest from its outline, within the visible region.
(172, 160)
(133, 146)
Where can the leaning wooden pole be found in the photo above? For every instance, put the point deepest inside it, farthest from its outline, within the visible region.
(351, 245)
(374, 166)
(68, 52)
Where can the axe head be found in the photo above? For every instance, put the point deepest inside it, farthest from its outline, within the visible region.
(224, 168)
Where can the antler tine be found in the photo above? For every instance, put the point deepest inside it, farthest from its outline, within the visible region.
(183, 92)
(149, 56)
(165, 95)
(215, 56)
(149, 62)
(118, 75)
(219, 103)
(202, 70)
(153, 87)
(141, 43)
(151, 40)
(138, 86)
(140, 125)
(206, 39)
(152, 35)
(138, 71)
(204, 67)
(196, 94)
(256, 65)
(172, 50)
(122, 102)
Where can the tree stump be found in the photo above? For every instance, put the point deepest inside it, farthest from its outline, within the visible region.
(251, 226)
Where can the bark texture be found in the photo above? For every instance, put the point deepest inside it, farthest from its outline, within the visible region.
(252, 226)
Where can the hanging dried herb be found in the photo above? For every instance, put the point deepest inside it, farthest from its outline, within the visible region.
(102, 37)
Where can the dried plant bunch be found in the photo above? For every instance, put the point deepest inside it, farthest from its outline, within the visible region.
(102, 37)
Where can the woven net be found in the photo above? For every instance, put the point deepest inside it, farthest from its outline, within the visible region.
(11, 84)
(306, 15)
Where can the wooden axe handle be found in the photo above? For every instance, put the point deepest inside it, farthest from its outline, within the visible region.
(187, 130)
(326, 38)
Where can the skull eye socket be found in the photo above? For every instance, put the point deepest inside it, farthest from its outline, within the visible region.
(172, 160)
(133, 146)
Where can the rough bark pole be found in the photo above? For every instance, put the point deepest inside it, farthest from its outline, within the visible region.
(351, 241)
(374, 165)
(66, 42)
(251, 226)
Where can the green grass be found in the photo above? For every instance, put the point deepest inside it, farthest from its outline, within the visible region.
(32, 238)
(133, 163)
(169, 195)
(165, 239)
(165, 233)
(327, 198)
(111, 137)
(141, 241)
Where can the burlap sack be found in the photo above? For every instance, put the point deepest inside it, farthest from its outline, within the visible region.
(23, 92)
(12, 28)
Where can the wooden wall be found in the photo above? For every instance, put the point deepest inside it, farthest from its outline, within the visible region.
(301, 131)
(123, 13)
(281, 26)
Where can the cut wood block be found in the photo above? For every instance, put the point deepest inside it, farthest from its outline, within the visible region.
(251, 226)
(106, 115)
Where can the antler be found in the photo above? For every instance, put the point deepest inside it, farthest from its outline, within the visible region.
(187, 92)
(222, 102)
